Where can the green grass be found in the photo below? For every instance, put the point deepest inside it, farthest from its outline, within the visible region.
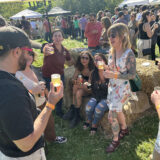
(80, 146)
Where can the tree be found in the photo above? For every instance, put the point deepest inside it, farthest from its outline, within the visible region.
(87, 6)
(6, 11)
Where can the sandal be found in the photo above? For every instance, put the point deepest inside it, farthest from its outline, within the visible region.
(86, 125)
(123, 133)
(113, 146)
(93, 131)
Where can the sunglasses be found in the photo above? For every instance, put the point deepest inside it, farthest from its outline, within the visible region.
(96, 60)
(86, 58)
(30, 51)
(113, 35)
(27, 49)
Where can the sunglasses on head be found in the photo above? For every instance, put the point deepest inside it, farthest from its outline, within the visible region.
(86, 58)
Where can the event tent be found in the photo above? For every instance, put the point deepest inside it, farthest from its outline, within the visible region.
(57, 11)
(131, 3)
(154, 2)
(27, 13)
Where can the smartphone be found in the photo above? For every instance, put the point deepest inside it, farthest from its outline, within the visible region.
(156, 62)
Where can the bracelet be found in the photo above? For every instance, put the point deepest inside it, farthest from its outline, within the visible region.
(30, 91)
(158, 107)
(115, 75)
(50, 105)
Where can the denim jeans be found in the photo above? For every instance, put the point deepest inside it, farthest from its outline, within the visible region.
(95, 110)
(59, 104)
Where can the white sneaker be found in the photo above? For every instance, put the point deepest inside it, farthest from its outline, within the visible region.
(60, 139)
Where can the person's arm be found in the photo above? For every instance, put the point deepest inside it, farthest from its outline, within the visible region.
(26, 144)
(131, 67)
(148, 30)
(155, 97)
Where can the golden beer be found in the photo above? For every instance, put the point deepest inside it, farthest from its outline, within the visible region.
(100, 65)
(56, 80)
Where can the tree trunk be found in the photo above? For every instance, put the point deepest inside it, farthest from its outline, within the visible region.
(29, 4)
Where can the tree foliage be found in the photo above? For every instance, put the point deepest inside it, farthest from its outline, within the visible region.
(87, 6)
(9, 9)
(80, 6)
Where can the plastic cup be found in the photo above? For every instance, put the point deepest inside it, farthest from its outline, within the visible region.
(56, 80)
(51, 50)
(100, 65)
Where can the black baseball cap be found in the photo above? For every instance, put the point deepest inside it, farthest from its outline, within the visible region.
(12, 37)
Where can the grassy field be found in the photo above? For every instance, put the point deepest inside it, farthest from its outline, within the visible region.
(81, 146)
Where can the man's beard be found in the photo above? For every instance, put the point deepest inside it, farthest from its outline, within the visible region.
(22, 63)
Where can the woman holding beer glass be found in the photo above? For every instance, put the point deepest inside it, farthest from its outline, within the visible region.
(84, 67)
(122, 68)
(97, 105)
(33, 82)
(55, 56)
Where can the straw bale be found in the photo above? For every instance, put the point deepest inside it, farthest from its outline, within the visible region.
(133, 110)
(150, 75)
(68, 74)
(74, 52)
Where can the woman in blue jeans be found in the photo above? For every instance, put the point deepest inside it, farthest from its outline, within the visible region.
(97, 106)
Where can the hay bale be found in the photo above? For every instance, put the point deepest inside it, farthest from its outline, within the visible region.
(133, 110)
(68, 74)
(150, 75)
(74, 52)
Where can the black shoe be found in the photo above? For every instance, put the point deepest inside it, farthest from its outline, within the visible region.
(60, 114)
(69, 115)
(76, 119)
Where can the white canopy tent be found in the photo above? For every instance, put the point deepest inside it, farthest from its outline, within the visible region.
(154, 2)
(57, 11)
(132, 3)
(27, 13)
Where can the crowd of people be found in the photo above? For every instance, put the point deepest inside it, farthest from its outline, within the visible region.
(107, 82)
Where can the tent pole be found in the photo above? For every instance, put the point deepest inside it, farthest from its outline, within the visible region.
(48, 20)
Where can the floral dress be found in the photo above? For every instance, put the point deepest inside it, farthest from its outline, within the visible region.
(119, 91)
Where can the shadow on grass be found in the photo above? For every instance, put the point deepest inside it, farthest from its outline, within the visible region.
(80, 146)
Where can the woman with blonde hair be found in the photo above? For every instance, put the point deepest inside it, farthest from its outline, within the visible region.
(121, 68)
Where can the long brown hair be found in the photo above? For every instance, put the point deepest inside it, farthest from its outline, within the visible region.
(122, 31)
(79, 65)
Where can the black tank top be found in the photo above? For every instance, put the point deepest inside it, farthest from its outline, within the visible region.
(142, 34)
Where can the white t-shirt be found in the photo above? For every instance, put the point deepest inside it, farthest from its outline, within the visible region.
(30, 84)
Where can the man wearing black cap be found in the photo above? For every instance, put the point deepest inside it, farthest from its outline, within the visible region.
(21, 127)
